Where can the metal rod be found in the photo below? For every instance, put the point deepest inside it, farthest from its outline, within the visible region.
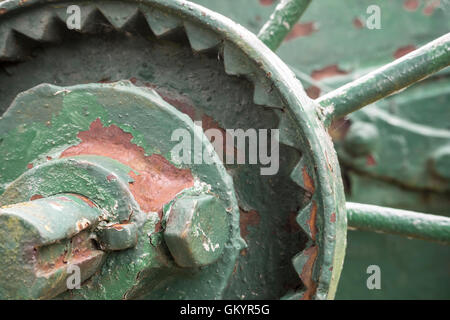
(387, 80)
(402, 222)
(282, 20)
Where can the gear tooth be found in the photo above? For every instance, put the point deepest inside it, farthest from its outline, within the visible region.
(235, 61)
(265, 94)
(302, 177)
(41, 26)
(118, 15)
(304, 263)
(10, 47)
(287, 130)
(299, 261)
(304, 219)
(161, 23)
(200, 38)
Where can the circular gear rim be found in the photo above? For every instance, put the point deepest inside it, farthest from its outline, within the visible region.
(320, 158)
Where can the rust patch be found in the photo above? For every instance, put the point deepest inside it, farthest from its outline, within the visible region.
(50, 267)
(133, 80)
(430, 7)
(339, 128)
(333, 217)
(370, 160)
(30, 166)
(82, 251)
(308, 181)
(3, 11)
(248, 218)
(111, 177)
(400, 52)
(357, 23)
(84, 199)
(326, 72)
(313, 92)
(157, 181)
(266, 2)
(301, 30)
(182, 104)
(119, 226)
(307, 273)
(36, 197)
(312, 221)
(411, 5)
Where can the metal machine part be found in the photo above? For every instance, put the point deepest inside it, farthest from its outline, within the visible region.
(112, 144)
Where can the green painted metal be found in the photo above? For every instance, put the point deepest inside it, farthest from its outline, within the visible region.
(118, 237)
(281, 22)
(196, 230)
(248, 64)
(36, 249)
(413, 126)
(310, 158)
(402, 222)
(387, 80)
(126, 226)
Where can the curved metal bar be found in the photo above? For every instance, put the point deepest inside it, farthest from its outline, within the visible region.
(386, 80)
(402, 222)
(281, 22)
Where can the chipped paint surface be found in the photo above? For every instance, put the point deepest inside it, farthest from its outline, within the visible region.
(155, 180)
(307, 129)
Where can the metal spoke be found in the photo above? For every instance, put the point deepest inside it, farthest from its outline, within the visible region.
(403, 222)
(282, 20)
(387, 80)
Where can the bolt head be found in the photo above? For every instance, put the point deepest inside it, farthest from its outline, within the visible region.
(197, 230)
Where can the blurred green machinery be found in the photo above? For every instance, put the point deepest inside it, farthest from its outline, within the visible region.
(88, 177)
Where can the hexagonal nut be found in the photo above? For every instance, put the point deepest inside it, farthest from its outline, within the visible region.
(197, 229)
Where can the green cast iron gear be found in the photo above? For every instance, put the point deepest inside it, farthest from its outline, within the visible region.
(278, 101)
(127, 229)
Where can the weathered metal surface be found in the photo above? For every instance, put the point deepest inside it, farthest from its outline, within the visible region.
(40, 239)
(318, 177)
(402, 222)
(283, 19)
(105, 166)
(266, 71)
(274, 86)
